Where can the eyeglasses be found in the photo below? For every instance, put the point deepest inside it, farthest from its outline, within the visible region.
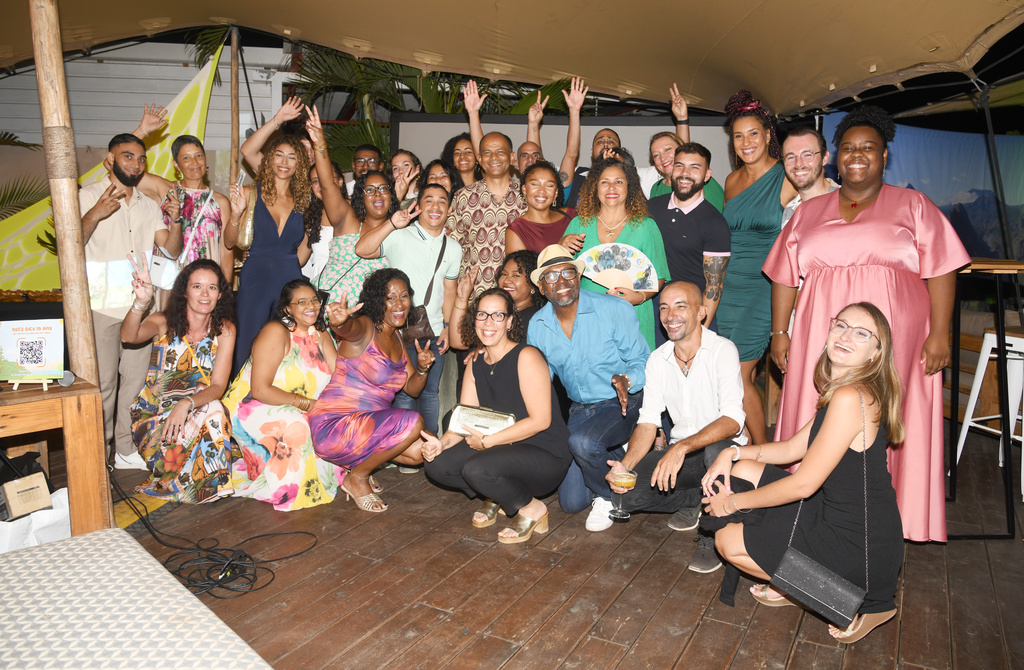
(552, 277)
(859, 335)
(383, 189)
(307, 302)
(805, 156)
(371, 162)
(496, 317)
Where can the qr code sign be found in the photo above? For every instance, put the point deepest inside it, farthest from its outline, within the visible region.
(30, 353)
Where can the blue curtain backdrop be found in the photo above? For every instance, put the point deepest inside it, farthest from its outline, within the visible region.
(953, 170)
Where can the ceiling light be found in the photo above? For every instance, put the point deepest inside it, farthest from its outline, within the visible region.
(356, 44)
(427, 57)
(629, 89)
(155, 24)
(496, 66)
(223, 20)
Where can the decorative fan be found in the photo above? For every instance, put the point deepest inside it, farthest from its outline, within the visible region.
(615, 265)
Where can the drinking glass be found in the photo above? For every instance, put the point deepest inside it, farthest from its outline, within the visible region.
(626, 480)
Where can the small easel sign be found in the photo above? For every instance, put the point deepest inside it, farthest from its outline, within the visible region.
(32, 351)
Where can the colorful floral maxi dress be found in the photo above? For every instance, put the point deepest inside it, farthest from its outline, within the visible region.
(353, 419)
(275, 462)
(196, 467)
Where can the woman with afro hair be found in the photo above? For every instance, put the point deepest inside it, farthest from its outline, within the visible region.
(756, 193)
(892, 246)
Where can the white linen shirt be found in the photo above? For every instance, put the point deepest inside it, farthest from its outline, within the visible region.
(712, 389)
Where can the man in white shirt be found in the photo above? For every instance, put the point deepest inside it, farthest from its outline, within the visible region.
(117, 220)
(695, 376)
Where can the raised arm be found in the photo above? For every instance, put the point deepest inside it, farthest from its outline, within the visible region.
(681, 113)
(473, 102)
(252, 148)
(335, 206)
(533, 118)
(463, 289)
(574, 99)
(135, 329)
(369, 243)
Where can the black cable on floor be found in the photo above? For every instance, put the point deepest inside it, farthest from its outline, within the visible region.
(205, 567)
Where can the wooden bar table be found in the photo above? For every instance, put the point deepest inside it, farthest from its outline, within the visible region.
(78, 411)
(995, 268)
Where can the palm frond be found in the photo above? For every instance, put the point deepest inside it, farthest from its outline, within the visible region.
(552, 91)
(23, 192)
(203, 44)
(47, 240)
(343, 138)
(323, 71)
(9, 139)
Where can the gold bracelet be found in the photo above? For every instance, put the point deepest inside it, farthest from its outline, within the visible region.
(463, 306)
(759, 450)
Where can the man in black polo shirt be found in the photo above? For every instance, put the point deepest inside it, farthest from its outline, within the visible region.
(695, 233)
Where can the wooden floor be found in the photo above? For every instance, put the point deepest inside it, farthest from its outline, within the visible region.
(419, 587)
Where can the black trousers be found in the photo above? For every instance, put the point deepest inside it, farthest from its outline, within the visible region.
(511, 475)
(687, 493)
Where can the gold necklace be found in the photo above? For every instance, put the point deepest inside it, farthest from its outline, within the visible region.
(612, 229)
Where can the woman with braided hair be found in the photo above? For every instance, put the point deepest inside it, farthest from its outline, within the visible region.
(756, 193)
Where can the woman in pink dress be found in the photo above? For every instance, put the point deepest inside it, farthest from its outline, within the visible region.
(352, 422)
(869, 241)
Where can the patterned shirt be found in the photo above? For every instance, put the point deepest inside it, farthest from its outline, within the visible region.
(478, 222)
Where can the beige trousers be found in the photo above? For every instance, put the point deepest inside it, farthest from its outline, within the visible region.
(122, 375)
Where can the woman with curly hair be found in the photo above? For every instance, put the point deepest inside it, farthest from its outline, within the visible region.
(373, 203)
(269, 401)
(612, 208)
(514, 467)
(459, 151)
(353, 423)
(872, 241)
(178, 422)
(280, 246)
(756, 193)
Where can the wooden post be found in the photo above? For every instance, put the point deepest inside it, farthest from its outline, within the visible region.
(62, 172)
(234, 105)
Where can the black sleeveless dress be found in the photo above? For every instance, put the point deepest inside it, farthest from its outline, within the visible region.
(831, 525)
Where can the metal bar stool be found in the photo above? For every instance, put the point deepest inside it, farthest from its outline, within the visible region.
(1014, 358)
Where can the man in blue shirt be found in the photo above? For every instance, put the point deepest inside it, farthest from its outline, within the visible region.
(594, 344)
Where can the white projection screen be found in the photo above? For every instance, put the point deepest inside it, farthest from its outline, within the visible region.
(425, 135)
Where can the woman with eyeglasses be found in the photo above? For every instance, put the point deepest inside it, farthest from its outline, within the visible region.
(269, 402)
(848, 520)
(373, 203)
(510, 470)
(870, 240)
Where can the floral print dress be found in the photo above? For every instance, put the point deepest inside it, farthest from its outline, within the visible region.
(274, 461)
(196, 467)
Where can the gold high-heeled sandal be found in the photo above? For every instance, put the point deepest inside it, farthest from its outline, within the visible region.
(524, 528)
(490, 510)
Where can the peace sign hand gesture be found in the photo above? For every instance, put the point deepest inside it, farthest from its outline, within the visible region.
(536, 113)
(403, 217)
(679, 108)
(338, 313)
(424, 357)
(314, 127)
(141, 283)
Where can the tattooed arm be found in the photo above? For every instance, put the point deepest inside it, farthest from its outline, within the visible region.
(714, 276)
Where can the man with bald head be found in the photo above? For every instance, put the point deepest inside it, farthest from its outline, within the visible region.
(482, 211)
(695, 376)
(528, 154)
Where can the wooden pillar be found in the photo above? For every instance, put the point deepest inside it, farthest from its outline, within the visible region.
(234, 105)
(62, 172)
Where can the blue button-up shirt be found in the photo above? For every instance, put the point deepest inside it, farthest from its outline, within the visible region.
(606, 341)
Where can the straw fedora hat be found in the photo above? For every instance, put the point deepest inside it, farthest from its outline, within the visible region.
(554, 254)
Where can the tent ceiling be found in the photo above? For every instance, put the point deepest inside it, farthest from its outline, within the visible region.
(794, 54)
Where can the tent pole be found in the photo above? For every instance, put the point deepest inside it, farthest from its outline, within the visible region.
(234, 105)
(62, 172)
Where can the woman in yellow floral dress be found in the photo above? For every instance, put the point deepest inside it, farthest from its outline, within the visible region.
(292, 360)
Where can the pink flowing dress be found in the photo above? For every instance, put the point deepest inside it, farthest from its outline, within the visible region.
(882, 257)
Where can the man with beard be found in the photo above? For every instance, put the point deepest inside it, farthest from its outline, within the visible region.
(482, 211)
(696, 234)
(804, 157)
(118, 220)
(695, 376)
(593, 342)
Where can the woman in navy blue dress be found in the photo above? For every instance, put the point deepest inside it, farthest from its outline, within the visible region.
(279, 245)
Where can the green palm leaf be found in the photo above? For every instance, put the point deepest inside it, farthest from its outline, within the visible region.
(21, 193)
(203, 44)
(9, 139)
(553, 91)
(343, 138)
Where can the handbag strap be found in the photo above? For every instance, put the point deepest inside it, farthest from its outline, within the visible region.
(864, 453)
(440, 257)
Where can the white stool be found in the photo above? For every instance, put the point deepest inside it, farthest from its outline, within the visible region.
(1015, 385)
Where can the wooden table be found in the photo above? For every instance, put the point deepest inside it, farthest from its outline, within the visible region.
(995, 268)
(78, 411)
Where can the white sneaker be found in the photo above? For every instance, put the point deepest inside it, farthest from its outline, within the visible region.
(598, 518)
(132, 461)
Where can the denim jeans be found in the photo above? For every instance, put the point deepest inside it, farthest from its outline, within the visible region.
(597, 432)
(687, 491)
(426, 404)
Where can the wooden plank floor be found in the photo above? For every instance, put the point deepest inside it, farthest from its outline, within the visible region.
(419, 587)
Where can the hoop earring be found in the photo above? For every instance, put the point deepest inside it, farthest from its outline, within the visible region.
(177, 174)
(287, 320)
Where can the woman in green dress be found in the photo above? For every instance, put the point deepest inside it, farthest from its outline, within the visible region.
(612, 208)
(756, 193)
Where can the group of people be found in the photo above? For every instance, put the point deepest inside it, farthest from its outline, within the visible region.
(326, 363)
